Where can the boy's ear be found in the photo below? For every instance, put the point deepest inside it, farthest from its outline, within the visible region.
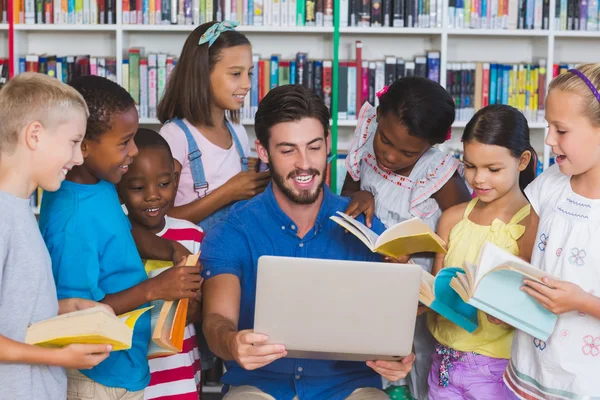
(32, 134)
(262, 151)
(84, 148)
(177, 175)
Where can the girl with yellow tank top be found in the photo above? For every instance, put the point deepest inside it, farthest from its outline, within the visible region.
(499, 163)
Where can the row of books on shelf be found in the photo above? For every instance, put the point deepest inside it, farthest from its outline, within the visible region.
(471, 85)
(576, 15)
(477, 14)
(391, 13)
(65, 11)
(181, 12)
(499, 14)
(523, 14)
(69, 67)
(476, 85)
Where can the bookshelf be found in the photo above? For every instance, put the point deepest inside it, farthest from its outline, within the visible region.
(455, 45)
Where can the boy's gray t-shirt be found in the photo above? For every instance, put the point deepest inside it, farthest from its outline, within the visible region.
(27, 295)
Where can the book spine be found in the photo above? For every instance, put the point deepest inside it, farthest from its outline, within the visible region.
(254, 91)
(285, 15)
(310, 75)
(351, 105)
(327, 82)
(311, 13)
(274, 71)
(320, 12)
(152, 85)
(293, 72)
(358, 83)
(328, 14)
(143, 75)
(318, 78)
(364, 84)
(258, 12)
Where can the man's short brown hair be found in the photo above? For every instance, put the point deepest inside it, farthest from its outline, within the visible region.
(33, 97)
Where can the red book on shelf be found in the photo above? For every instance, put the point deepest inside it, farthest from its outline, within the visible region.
(485, 97)
(359, 92)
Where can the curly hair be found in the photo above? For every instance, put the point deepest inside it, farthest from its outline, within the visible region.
(104, 99)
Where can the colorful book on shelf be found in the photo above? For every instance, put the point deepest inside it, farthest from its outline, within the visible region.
(407, 237)
(95, 325)
(168, 318)
(493, 285)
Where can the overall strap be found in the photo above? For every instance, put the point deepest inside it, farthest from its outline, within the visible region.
(238, 146)
(194, 157)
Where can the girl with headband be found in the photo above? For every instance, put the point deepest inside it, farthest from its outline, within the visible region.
(565, 202)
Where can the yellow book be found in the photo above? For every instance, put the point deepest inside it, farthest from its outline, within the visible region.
(407, 237)
(94, 325)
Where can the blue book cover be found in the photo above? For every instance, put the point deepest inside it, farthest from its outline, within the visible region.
(274, 72)
(505, 83)
(493, 82)
(494, 287)
(292, 72)
(254, 90)
(22, 65)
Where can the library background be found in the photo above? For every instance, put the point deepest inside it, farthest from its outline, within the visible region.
(482, 51)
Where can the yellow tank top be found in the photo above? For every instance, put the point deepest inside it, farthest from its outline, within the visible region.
(465, 240)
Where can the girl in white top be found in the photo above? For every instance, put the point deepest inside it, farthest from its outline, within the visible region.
(566, 198)
(395, 173)
(200, 110)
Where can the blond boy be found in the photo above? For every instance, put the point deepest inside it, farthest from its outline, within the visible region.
(42, 124)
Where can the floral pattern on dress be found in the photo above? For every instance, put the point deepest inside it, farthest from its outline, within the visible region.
(543, 242)
(577, 257)
(591, 346)
(540, 344)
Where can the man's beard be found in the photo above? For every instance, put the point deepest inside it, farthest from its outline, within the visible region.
(305, 196)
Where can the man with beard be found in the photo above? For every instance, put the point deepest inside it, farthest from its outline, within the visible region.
(291, 218)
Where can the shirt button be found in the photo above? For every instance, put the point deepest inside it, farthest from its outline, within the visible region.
(207, 273)
(297, 376)
(283, 228)
(301, 245)
(300, 369)
(293, 227)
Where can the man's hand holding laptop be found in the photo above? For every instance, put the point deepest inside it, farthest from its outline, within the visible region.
(251, 351)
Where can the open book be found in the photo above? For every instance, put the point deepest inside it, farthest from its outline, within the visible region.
(493, 286)
(94, 325)
(407, 237)
(168, 320)
(436, 293)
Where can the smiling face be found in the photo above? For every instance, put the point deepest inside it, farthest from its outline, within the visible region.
(492, 171)
(58, 149)
(230, 79)
(395, 149)
(574, 139)
(297, 157)
(108, 157)
(148, 189)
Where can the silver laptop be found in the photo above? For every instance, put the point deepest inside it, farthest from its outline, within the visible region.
(337, 310)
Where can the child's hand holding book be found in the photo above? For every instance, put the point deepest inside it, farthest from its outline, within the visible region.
(182, 282)
(362, 202)
(82, 356)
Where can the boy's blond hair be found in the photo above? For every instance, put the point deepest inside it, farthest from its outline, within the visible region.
(33, 97)
(569, 82)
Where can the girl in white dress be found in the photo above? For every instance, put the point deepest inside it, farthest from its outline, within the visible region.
(566, 198)
(395, 173)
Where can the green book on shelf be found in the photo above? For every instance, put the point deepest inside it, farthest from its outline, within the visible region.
(300, 12)
(134, 75)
